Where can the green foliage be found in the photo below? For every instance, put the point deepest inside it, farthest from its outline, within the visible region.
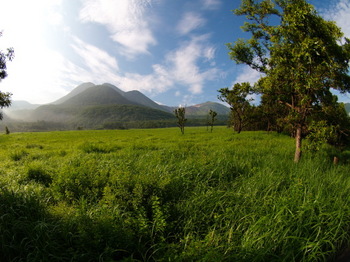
(211, 119)
(154, 195)
(181, 119)
(238, 99)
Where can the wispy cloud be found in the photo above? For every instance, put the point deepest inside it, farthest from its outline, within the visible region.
(189, 22)
(185, 63)
(211, 4)
(158, 81)
(183, 67)
(97, 60)
(340, 13)
(125, 20)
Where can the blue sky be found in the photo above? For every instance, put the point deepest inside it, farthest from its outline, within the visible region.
(171, 50)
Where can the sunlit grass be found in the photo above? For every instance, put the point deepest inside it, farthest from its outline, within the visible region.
(155, 194)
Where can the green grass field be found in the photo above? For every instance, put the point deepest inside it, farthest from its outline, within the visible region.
(157, 195)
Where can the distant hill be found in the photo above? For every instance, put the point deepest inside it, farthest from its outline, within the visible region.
(95, 106)
(203, 109)
(19, 104)
(19, 110)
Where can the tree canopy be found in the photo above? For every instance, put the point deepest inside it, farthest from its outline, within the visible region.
(239, 101)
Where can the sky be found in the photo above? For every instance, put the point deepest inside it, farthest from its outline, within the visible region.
(173, 51)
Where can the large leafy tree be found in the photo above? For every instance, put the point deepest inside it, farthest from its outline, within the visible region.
(301, 56)
(5, 97)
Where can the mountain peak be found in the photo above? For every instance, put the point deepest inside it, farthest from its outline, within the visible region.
(98, 95)
(114, 87)
(79, 89)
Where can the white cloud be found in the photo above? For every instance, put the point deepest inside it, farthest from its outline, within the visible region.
(340, 13)
(180, 68)
(211, 4)
(187, 100)
(247, 75)
(159, 81)
(189, 22)
(97, 60)
(209, 53)
(125, 20)
(185, 64)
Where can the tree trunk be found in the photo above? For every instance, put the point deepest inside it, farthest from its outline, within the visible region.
(297, 154)
(335, 160)
(239, 128)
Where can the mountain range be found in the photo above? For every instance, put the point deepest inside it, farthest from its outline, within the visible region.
(95, 106)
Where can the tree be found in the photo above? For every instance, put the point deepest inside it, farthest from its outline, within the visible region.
(181, 120)
(211, 119)
(5, 97)
(300, 55)
(239, 101)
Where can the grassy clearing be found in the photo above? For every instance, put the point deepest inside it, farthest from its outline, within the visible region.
(146, 195)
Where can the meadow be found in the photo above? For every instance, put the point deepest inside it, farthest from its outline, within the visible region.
(157, 195)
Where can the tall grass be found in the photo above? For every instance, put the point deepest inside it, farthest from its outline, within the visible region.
(157, 195)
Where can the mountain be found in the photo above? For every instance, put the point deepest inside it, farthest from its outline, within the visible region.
(114, 87)
(79, 89)
(19, 109)
(203, 109)
(134, 96)
(95, 116)
(98, 95)
(19, 105)
(92, 106)
(137, 97)
(106, 106)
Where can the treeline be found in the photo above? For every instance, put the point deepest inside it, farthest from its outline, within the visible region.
(42, 126)
(329, 122)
